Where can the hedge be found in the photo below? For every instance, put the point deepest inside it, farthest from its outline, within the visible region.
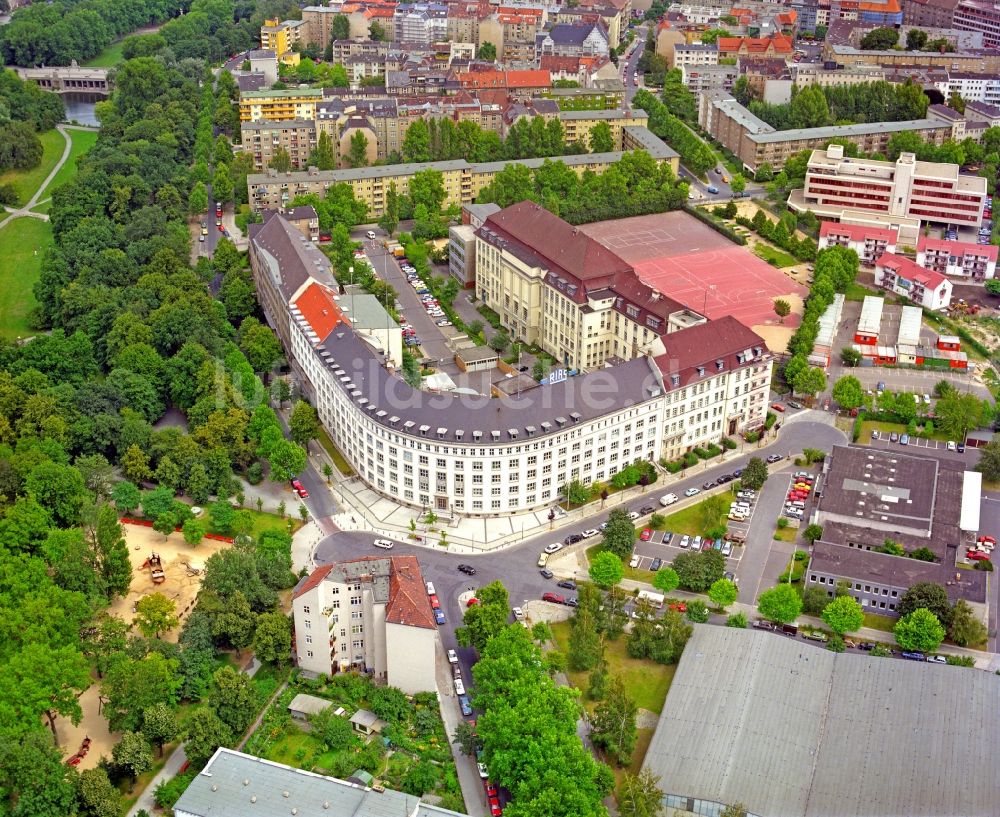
(719, 227)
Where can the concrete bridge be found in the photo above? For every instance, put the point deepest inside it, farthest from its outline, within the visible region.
(70, 79)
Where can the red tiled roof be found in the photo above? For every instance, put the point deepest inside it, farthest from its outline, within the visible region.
(857, 232)
(958, 247)
(320, 310)
(703, 345)
(778, 43)
(562, 246)
(885, 7)
(531, 78)
(553, 62)
(911, 270)
(314, 579)
(408, 603)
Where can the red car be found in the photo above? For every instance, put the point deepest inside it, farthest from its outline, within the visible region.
(555, 598)
(777, 407)
(491, 789)
(646, 534)
(495, 810)
(677, 607)
(989, 539)
(300, 489)
(977, 556)
(435, 603)
(218, 212)
(472, 601)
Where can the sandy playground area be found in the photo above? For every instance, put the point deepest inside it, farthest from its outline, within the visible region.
(180, 585)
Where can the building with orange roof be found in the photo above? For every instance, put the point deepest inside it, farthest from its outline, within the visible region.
(518, 84)
(777, 45)
(881, 13)
(370, 615)
(317, 304)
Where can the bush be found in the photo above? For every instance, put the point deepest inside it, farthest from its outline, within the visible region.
(690, 459)
(700, 453)
(737, 620)
(255, 473)
(728, 443)
(674, 467)
(169, 791)
(697, 611)
(751, 436)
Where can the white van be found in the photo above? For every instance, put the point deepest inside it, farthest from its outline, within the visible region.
(668, 499)
(430, 588)
(371, 234)
(459, 687)
(656, 599)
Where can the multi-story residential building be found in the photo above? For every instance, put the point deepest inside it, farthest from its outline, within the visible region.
(980, 88)
(281, 37)
(929, 13)
(778, 45)
(462, 242)
(557, 287)
(264, 62)
(577, 124)
(870, 495)
(305, 219)
(521, 85)
(979, 15)
(233, 784)
(710, 78)
(984, 61)
(695, 54)
(924, 286)
(988, 114)
(370, 615)
(756, 142)
(959, 259)
(421, 22)
(668, 38)
(931, 191)
(608, 18)
(462, 181)
(867, 241)
(276, 106)
(264, 138)
(811, 73)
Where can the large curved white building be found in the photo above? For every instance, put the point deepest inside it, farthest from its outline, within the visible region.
(472, 455)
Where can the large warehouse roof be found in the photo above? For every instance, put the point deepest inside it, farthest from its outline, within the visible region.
(793, 730)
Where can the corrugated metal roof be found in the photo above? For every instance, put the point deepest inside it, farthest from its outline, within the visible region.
(909, 326)
(793, 730)
(871, 315)
(972, 491)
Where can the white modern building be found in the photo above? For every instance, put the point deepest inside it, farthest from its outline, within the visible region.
(907, 278)
(868, 242)
(470, 455)
(370, 615)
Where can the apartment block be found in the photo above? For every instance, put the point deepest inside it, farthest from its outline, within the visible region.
(281, 36)
(710, 78)
(462, 181)
(930, 191)
(929, 13)
(926, 287)
(868, 242)
(811, 73)
(369, 615)
(976, 88)
(695, 54)
(983, 61)
(264, 138)
(982, 16)
(959, 259)
(421, 23)
(276, 106)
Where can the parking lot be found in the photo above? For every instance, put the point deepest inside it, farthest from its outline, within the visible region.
(938, 448)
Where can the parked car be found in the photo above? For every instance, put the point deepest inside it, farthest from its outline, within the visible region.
(645, 510)
(685, 541)
(573, 538)
(912, 656)
(554, 598)
(567, 584)
(572, 602)
(778, 407)
(634, 561)
(483, 771)
(692, 491)
(385, 544)
(463, 702)
(894, 437)
(656, 565)
(300, 489)
(518, 613)
(439, 616)
(708, 485)
(668, 499)
(961, 448)
(546, 574)
(633, 515)
(904, 439)
(554, 547)
(543, 559)
(677, 606)
(646, 534)
(587, 534)
(773, 458)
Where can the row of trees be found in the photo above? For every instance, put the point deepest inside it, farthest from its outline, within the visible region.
(814, 106)
(25, 111)
(696, 156)
(634, 185)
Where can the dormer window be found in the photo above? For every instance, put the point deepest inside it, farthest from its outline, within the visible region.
(701, 371)
(718, 365)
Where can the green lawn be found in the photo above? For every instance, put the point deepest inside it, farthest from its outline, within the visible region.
(339, 460)
(646, 680)
(110, 56)
(26, 182)
(44, 207)
(876, 622)
(786, 534)
(776, 258)
(22, 245)
(873, 425)
(688, 520)
(263, 521)
(856, 292)
(83, 140)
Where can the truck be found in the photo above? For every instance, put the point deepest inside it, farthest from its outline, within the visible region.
(668, 499)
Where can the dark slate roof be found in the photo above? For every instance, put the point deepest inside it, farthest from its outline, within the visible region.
(569, 33)
(295, 256)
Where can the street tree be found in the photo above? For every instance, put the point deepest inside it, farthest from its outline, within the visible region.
(613, 727)
(619, 535)
(699, 571)
(844, 615)
(810, 381)
(133, 755)
(850, 356)
(194, 531)
(782, 309)
(781, 604)
(486, 619)
(723, 592)
(966, 629)
(155, 614)
(606, 569)
(930, 596)
(159, 725)
(754, 474)
(272, 639)
(989, 461)
(848, 393)
(303, 424)
(919, 631)
(666, 580)
(640, 795)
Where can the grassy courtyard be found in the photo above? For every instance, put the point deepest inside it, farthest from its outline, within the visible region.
(82, 141)
(412, 754)
(23, 242)
(108, 58)
(26, 182)
(774, 257)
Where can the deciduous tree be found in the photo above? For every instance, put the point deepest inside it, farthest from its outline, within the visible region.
(928, 595)
(966, 629)
(155, 614)
(666, 580)
(606, 569)
(232, 698)
(272, 640)
(640, 795)
(919, 631)
(848, 393)
(843, 615)
(133, 755)
(754, 474)
(204, 732)
(619, 535)
(159, 725)
(723, 592)
(613, 726)
(781, 604)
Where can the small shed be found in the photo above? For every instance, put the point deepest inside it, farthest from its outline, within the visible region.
(367, 723)
(303, 706)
